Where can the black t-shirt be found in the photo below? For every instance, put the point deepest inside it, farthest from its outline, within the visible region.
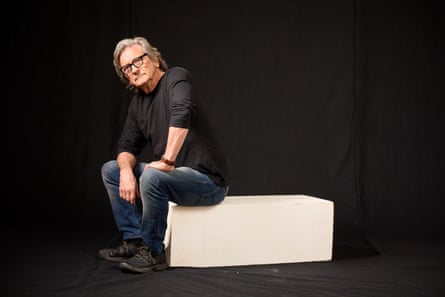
(174, 103)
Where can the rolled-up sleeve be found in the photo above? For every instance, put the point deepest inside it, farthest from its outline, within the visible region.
(182, 103)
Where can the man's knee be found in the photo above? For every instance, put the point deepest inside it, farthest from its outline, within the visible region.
(152, 178)
(109, 168)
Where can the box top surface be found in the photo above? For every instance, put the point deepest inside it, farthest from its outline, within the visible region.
(267, 199)
(285, 199)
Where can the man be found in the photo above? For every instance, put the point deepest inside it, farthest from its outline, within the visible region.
(190, 168)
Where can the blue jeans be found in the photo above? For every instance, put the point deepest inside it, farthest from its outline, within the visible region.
(147, 219)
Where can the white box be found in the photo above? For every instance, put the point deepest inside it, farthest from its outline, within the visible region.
(250, 230)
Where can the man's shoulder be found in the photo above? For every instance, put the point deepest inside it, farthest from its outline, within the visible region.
(177, 72)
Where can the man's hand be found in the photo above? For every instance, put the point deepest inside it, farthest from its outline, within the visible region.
(128, 186)
(160, 166)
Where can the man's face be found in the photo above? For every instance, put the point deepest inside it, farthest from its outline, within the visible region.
(137, 68)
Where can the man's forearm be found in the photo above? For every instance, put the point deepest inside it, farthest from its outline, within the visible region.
(126, 161)
(176, 138)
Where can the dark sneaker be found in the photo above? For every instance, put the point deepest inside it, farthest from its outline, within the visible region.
(121, 253)
(144, 261)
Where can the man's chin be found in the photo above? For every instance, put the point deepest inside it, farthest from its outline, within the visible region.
(138, 82)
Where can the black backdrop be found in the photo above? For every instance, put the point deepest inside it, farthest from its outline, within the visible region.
(342, 100)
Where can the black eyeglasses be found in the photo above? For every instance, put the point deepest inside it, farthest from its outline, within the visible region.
(137, 62)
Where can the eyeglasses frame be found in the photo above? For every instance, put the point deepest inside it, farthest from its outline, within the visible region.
(135, 60)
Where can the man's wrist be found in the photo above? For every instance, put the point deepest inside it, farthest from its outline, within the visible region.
(167, 161)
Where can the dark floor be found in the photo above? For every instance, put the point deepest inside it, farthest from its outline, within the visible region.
(61, 266)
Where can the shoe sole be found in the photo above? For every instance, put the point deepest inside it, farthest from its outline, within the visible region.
(124, 266)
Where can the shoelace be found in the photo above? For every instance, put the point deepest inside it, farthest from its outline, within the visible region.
(123, 249)
(143, 253)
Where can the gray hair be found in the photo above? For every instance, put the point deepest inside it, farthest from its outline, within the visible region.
(151, 52)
